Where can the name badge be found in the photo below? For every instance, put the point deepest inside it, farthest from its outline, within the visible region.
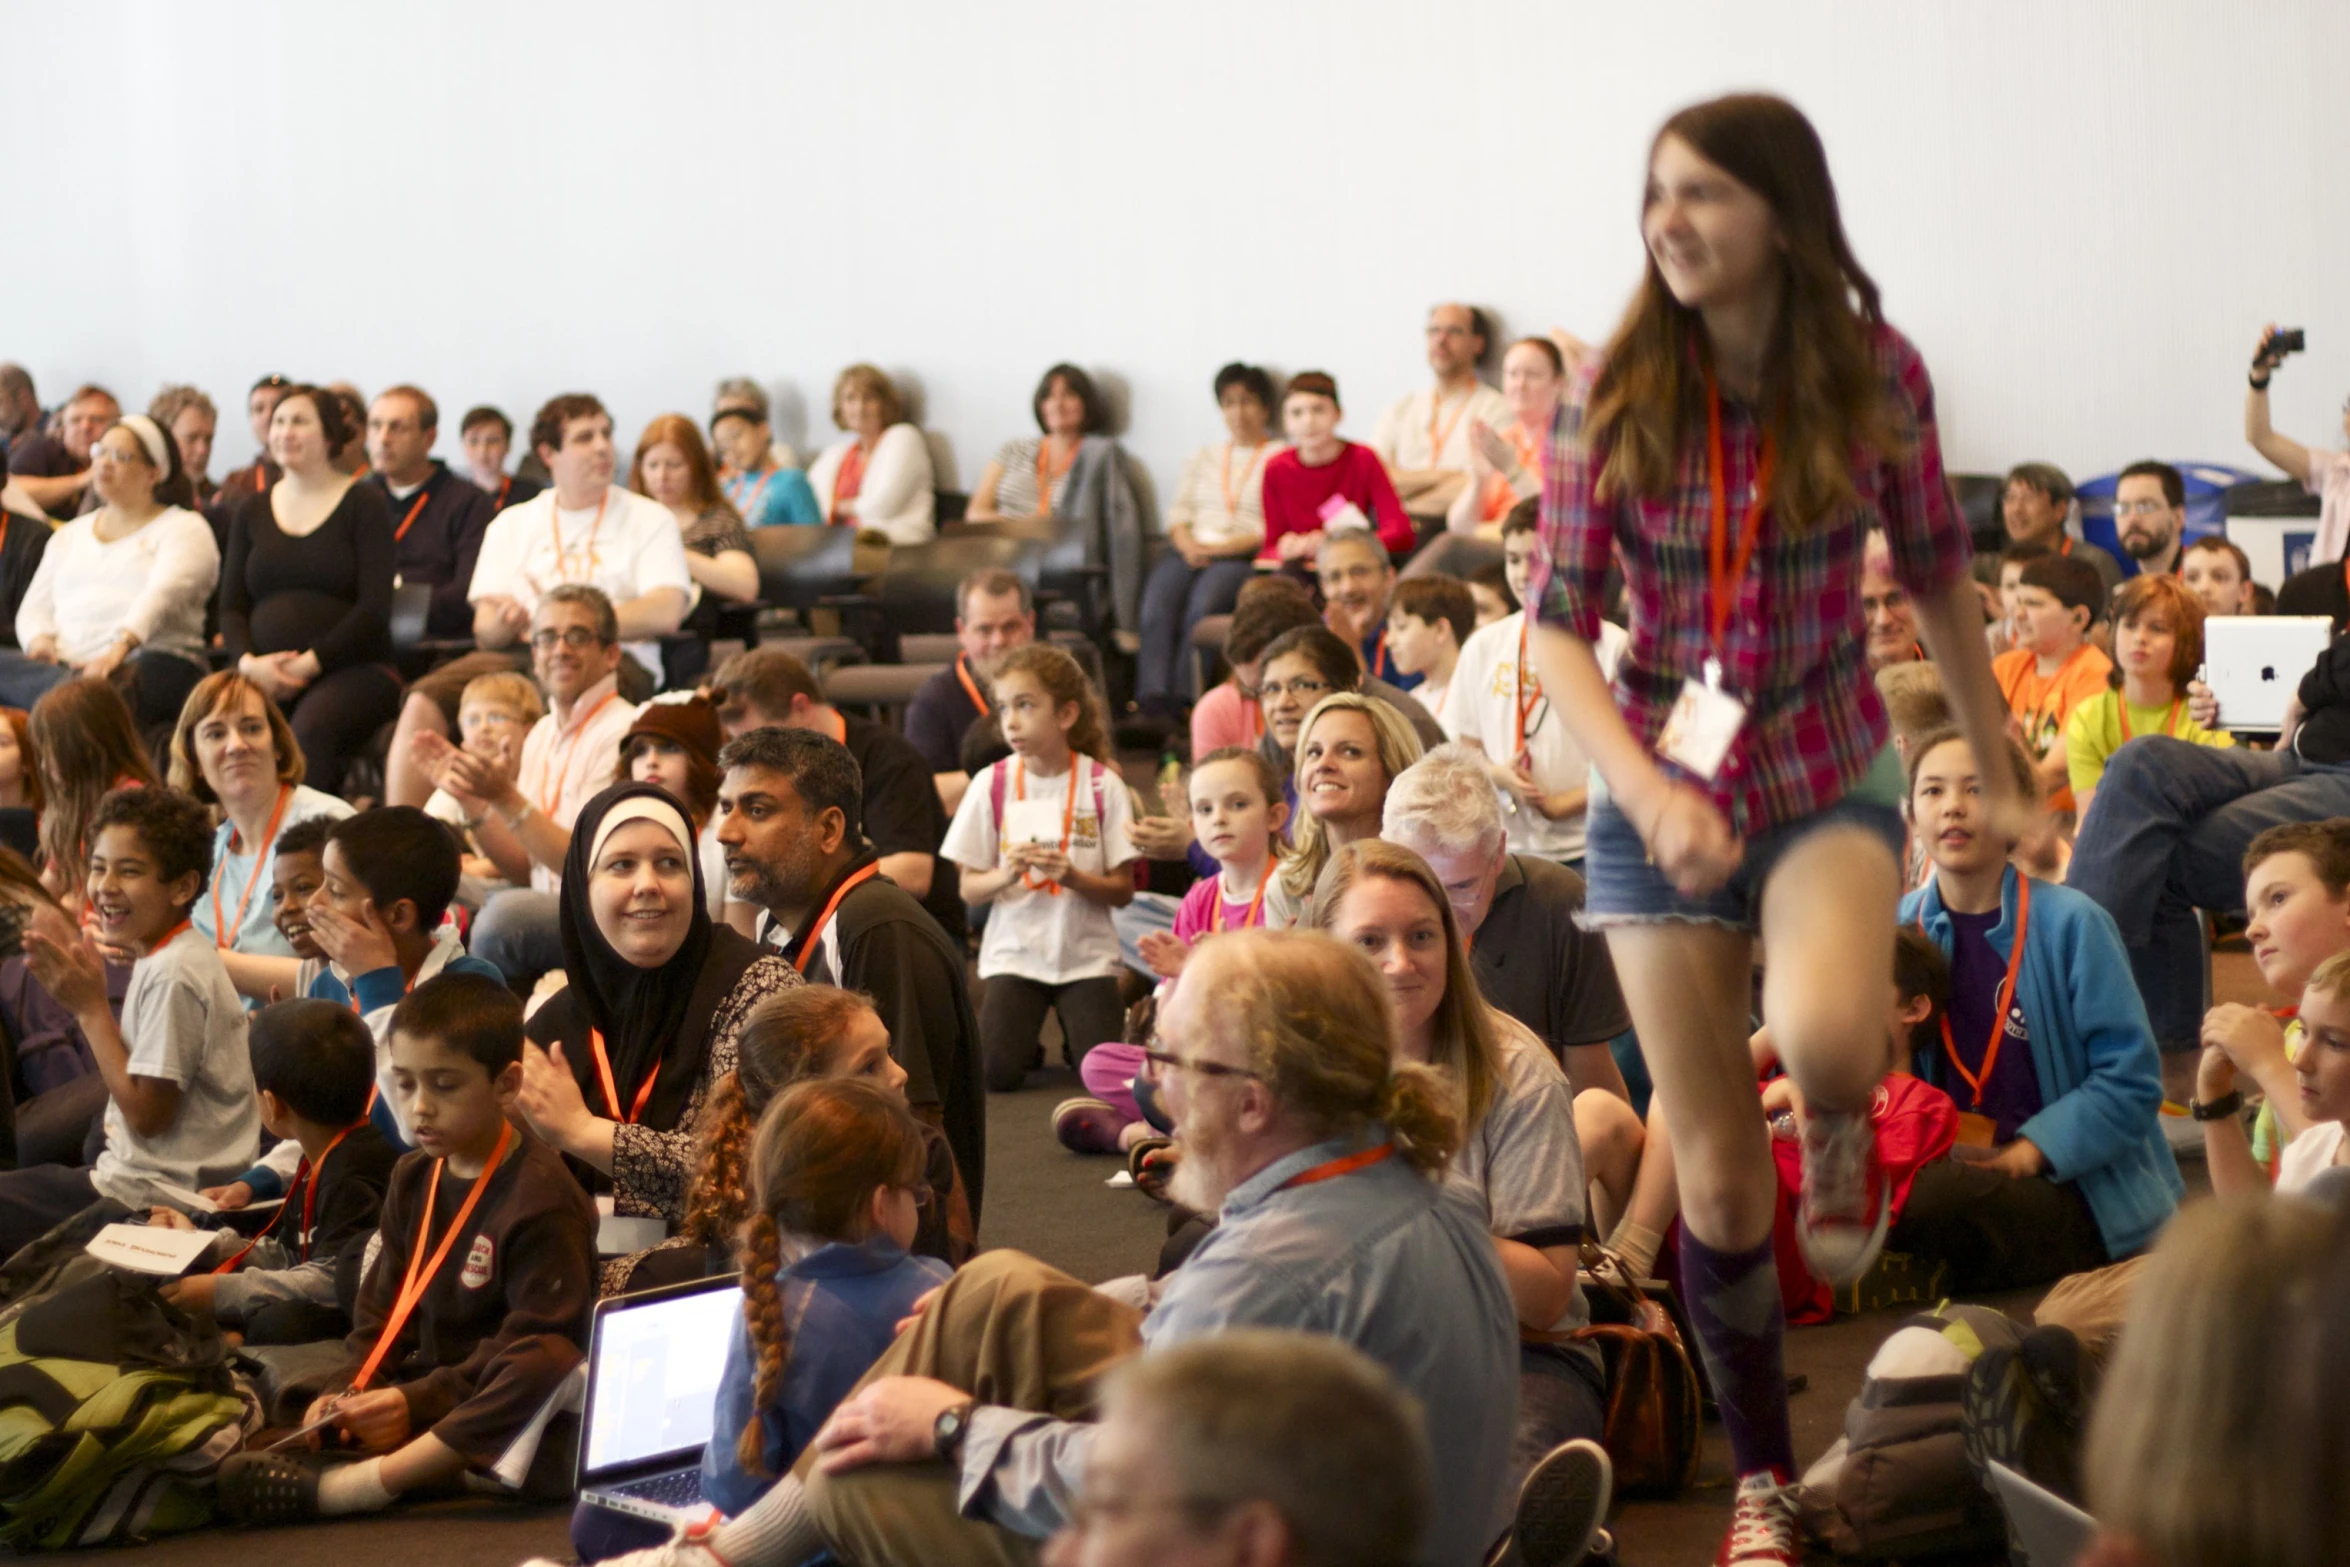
(1703, 725)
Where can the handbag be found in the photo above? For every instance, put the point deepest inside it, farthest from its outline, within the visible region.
(1654, 1427)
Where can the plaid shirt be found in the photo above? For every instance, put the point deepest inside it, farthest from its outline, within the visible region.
(1794, 647)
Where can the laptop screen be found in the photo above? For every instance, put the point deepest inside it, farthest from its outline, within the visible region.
(654, 1383)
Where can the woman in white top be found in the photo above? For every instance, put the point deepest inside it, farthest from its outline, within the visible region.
(879, 478)
(120, 594)
(1216, 525)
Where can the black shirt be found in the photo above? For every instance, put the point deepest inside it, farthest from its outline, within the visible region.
(937, 721)
(512, 490)
(903, 814)
(39, 455)
(2321, 590)
(21, 549)
(1534, 962)
(329, 591)
(436, 537)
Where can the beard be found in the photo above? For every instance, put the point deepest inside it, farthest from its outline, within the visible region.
(2144, 546)
(1198, 1182)
(788, 882)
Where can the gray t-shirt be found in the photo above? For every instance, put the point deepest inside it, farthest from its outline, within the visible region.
(1523, 1162)
(183, 1022)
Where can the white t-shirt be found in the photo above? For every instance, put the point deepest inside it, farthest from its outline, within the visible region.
(564, 767)
(1033, 933)
(2306, 1155)
(1482, 705)
(635, 548)
(183, 1022)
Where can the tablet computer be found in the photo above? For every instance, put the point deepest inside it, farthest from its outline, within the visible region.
(2254, 663)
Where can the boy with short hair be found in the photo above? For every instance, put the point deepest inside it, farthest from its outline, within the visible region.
(2297, 903)
(2007, 573)
(1324, 485)
(1429, 618)
(180, 1110)
(495, 715)
(314, 1068)
(2054, 667)
(2218, 572)
(1497, 704)
(490, 1243)
(295, 872)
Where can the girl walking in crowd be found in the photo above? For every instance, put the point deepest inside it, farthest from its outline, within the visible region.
(1042, 835)
(1752, 417)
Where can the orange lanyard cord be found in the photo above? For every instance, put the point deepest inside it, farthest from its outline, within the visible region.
(423, 494)
(1224, 480)
(1335, 1168)
(552, 785)
(588, 547)
(644, 1089)
(1529, 690)
(225, 936)
(1724, 574)
(415, 1282)
(1051, 889)
(309, 1197)
(2005, 999)
(1256, 905)
(971, 686)
(832, 905)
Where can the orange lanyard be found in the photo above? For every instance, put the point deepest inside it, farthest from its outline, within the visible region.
(1232, 497)
(1338, 1167)
(409, 521)
(2006, 998)
(2170, 725)
(309, 1199)
(612, 1094)
(552, 784)
(505, 488)
(816, 931)
(170, 936)
(1051, 889)
(971, 686)
(849, 482)
(1256, 718)
(225, 936)
(555, 532)
(413, 1286)
(1440, 435)
(1046, 474)
(1723, 575)
(1529, 689)
(1256, 905)
(750, 503)
(1379, 654)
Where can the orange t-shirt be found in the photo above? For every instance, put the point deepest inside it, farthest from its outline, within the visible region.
(2043, 704)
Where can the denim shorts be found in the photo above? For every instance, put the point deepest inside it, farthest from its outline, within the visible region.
(1623, 888)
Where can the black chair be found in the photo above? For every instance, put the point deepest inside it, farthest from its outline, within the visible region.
(412, 640)
(1979, 496)
(917, 593)
(802, 570)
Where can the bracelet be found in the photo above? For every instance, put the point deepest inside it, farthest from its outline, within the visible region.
(516, 820)
(2225, 1106)
(2256, 385)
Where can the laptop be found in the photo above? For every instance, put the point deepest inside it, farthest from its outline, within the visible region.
(654, 1360)
(2043, 1529)
(2254, 664)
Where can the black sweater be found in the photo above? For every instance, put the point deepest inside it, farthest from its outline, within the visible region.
(328, 592)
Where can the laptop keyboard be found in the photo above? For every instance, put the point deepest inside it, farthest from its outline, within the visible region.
(683, 1488)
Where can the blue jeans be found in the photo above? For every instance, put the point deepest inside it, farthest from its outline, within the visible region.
(520, 933)
(1174, 600)
(2166, 836)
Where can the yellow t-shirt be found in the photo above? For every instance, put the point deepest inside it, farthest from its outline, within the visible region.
(2269, 1136)
(2095, 732)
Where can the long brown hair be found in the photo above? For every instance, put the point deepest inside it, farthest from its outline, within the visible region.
(1822, 399)
(20, 724)
(85, 742)
(821, 1151)
(678, 431)
(788, 1038)
(1465, 1042)
(1064, 681)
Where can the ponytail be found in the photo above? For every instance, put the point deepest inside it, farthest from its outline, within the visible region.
(1421, 1110)
(719, 1194)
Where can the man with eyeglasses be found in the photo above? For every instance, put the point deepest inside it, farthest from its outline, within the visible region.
(1424, 439)
(1323, 1160)
(55, 471)
(2149, 512)
(520, 809)
(1498, 706)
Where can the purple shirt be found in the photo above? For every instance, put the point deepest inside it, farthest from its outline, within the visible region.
(2012, 1096)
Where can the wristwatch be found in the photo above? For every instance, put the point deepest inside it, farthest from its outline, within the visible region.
(947, 1432)
(2220, 1109)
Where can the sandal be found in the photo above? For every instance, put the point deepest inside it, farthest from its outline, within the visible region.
(266, 1488)
(1152, 1164)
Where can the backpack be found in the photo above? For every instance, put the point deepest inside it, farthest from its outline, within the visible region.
(1898, 1483)
(108, 1451)
(1653, 1427)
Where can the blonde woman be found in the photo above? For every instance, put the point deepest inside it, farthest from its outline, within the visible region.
(1349, 749)
(879, 478)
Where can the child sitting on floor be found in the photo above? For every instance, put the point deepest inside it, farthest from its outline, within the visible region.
(804, 1033)
(836, 1193)
(1237, 814)
(2321, 1072)
(314, 1067)
(1428, 619)
(475, 1308)
(2044, 1045)
(2157, 647)
(494, 716)
(180, 1111)
(2054, 667)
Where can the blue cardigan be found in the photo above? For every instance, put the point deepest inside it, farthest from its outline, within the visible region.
(2092, 1051)
(841, 1307)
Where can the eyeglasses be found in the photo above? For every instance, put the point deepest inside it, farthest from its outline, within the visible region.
(1165, 1060)
(576, 638)
(1273, 690)
(2139, 508)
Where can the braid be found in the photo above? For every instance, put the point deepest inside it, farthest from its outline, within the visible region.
(719, 1196)
(762, 1260)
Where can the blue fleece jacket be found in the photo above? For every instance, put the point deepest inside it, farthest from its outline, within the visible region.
(2092, 1050)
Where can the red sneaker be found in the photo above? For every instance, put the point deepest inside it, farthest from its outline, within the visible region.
(1847, 1202)
(1762, 1526)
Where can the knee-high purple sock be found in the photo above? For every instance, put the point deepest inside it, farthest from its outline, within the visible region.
(1733, 1301)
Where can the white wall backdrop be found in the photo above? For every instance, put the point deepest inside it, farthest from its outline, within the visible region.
(2083, 210)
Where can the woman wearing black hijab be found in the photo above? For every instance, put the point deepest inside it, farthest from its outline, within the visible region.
(630, 1047)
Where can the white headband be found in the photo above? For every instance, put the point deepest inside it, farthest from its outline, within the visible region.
(641, 808)
(150, 436)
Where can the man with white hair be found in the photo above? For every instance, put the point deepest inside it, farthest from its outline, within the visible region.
(1530, 957)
